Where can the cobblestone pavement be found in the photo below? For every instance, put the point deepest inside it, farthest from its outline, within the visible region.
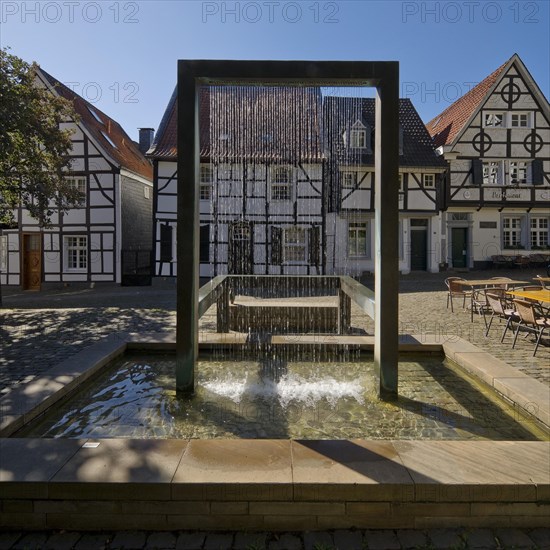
(379, 539)
(38, 330)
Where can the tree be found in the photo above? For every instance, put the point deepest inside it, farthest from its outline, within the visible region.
(34, 148)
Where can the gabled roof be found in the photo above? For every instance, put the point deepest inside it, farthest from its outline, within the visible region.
(340, 113)
(447, 127)
(257, 123)
(105, 131)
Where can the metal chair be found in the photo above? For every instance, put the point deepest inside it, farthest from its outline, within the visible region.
(530, 321)
(497, 304)
(454, 289)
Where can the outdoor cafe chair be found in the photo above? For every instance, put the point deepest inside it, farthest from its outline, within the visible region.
(530, 321)
(456, 290)
(501, 284)
(498, 307)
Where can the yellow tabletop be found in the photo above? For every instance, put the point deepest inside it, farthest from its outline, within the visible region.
(542, 295)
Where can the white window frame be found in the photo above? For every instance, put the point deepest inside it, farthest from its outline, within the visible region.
(281, 180)
(489, 120)
(349, 180)
(294, 244)
(527, 117)
(512, 231)
(81, 253)
(492, 170)
(428, 181)
(522, 168)
(3, 253)
(358, 138)
(206, 178)
(79, 183)
(539, 232)
(353, 248)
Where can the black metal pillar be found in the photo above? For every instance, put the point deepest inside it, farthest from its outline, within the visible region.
(386, 206)
(187, 230)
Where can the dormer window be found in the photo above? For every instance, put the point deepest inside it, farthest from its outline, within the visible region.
(358, 136)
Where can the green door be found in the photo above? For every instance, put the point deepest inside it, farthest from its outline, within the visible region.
(460, 246)
(419, 249)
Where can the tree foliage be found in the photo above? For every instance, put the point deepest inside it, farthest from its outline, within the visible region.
(34, 146)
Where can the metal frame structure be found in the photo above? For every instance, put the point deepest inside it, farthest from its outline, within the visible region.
(384, 75)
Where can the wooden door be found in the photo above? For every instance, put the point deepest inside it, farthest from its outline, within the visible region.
(240, 249)
(32, 261)
(419, 249)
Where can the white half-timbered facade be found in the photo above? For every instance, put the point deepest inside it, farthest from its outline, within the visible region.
(496, 139)
(286, 185)
(85, 244)
(261, 183)
(349, 143)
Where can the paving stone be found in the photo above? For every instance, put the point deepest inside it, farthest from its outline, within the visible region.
(93, 541)
(411, 538)
(160, 541)
(250, 541)
(381, 539)
(445, 538)
(348, 540)
(320, 540)
(62, 541)
(190, 541)
(541, 537)
(32, 541)
(7, 540)
(129, 540)
(514, 538)
(218, 542)
(480, 538)
(286, 542)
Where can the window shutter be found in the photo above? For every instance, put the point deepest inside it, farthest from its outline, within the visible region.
(477, 171)
(314, 243)
(204, 250)
(537, 175)
(166, 243)
(276, 246)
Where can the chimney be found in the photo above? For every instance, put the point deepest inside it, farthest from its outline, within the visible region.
(145, 139)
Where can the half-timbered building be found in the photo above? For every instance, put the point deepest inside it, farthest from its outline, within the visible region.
(286, 184)
(349, 143)
(85, 244)
(496, 139)
(261, 182)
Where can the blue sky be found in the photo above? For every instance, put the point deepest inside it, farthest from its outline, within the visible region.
(121, 55)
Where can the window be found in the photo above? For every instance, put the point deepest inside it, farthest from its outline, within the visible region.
(358, 239)
(146, 192)
(3, 253)
(280, 184)
(76, 253)
(294, 244)
(492, 172)
(519, 120)
(511, 232)
(428, 180)
(358, 138)
(400, 181)
(494, 120)
(349, 180)
(518, 172)
(539, 232)
(108, 140)
(206, 178)
(79, 184)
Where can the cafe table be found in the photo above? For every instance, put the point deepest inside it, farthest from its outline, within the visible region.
(487, 283)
